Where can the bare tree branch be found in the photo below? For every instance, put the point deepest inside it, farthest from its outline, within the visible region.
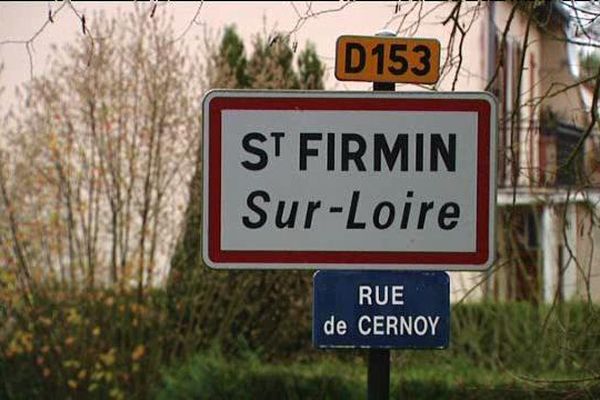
(191, 23)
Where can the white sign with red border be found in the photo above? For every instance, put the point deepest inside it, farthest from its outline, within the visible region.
(349, 180)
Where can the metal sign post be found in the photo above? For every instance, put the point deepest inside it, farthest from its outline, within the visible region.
(378, 386)
(370, 183)
(378, 375)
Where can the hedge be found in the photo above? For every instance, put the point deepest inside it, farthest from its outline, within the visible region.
(211, 376)
(497, 351)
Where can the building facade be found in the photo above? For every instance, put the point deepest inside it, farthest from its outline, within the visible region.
(548, 238)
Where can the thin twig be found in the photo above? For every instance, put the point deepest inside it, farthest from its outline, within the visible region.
(309, 13)
(190, 24)
(28, 42)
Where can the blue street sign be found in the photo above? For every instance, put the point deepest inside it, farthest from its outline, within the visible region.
(381, 309)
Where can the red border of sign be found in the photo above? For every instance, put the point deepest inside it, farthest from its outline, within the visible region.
(480, 256)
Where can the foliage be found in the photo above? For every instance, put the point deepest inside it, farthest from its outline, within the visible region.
(497, 351)
(94, 164)
(91, 183)
(211, 376)
(103, 343)
(225, 306)
(231, 54)
(97, 344)
(93, 170)
(269, 66)
(521, 337)
(310, 68)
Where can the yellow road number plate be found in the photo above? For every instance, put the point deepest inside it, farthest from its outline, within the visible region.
(387, 59)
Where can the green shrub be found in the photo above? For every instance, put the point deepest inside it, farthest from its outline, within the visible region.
(104, 343)
(210, 376)
(519, 337)
(95, 344)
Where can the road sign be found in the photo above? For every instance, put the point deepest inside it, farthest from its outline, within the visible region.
(387, 59)
(381, 309)
(349, 180)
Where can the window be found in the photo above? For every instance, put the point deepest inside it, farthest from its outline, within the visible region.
(506, 89)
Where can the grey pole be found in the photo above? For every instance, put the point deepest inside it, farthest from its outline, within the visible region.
(378, 375)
